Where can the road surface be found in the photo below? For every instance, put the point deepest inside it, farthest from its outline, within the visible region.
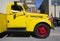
(54, 36)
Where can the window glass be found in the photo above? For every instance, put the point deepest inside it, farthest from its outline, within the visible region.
(16, 7)
(55, 2)
(28, 10)
(52, 2)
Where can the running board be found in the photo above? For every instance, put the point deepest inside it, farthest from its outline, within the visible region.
(16, 30)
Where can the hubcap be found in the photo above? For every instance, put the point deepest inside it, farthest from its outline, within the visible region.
(42, 31)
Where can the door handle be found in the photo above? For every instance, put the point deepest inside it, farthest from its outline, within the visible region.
(14, 16)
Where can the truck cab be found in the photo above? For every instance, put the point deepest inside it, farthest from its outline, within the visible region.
(16, 15)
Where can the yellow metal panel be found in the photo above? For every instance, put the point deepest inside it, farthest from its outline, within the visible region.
(31, 25)
(33, 21)
(3, 23)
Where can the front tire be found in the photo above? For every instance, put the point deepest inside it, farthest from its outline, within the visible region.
(42, 31)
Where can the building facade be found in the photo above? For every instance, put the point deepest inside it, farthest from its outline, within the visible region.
(51, 7)
(44, 8)
(54, 8)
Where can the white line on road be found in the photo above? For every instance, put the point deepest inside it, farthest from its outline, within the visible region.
(55, 34)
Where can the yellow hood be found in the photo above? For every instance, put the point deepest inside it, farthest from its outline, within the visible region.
(38, 15)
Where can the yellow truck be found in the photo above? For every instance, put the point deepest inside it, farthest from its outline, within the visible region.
(17, 19)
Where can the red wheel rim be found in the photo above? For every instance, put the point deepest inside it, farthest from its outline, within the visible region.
(42, 31)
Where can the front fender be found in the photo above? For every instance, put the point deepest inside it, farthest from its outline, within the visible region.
(31, 24)
(49, 23)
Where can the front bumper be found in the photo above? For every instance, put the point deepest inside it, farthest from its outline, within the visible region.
(52, 26)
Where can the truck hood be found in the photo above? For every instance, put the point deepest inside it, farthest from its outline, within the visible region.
(38, 15)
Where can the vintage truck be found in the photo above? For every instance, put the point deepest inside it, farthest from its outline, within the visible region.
(17, 19)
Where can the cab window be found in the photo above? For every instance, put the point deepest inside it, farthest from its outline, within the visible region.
(16, 7)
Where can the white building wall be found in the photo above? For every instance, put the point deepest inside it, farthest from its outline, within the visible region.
(58, 11)
(3, 5)
(51, 10)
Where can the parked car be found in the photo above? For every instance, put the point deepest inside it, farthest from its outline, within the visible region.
(56, 21)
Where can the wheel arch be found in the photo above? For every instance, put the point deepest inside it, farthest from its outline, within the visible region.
(42, 23)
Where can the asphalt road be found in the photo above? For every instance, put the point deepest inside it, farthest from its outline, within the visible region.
(54, 36)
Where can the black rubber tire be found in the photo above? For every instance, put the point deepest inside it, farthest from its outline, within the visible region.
(38, 36)
(2, 34)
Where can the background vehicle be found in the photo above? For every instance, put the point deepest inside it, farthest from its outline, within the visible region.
(56, 21)
(18, 20)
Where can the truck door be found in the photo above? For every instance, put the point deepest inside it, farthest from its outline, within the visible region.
(17, 18)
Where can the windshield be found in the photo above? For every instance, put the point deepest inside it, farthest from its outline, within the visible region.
(28, 10)
(32, 10)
